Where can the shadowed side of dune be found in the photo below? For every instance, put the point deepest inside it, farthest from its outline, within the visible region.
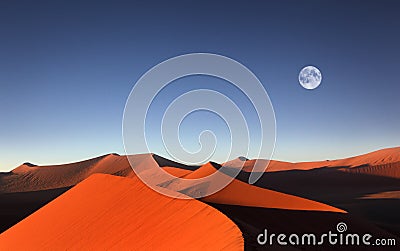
(108, 212)
(163, 162)
(252, 221)
(344, 189)
(14, 207)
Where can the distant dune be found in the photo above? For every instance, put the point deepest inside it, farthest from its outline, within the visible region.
(34, 178)
(29, 177)
(107, 212)
(384, 162)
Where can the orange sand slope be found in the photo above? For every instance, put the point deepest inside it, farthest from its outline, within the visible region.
(243, 194)
(369, 163)
(107, 212)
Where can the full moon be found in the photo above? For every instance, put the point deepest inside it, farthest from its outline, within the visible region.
(310, 77)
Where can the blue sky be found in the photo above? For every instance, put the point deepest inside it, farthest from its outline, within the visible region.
(67, 67)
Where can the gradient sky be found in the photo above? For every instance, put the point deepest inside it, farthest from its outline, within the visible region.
(67, 68)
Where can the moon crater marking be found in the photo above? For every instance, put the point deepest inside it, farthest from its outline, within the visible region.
(310, 77)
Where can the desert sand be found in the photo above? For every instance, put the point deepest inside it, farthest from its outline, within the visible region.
(299, 197)
(107, 212)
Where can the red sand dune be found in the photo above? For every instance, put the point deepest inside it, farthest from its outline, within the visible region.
(28, 187)
(107, 212)
(384, 162)
(204, 171)
(243, 194)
